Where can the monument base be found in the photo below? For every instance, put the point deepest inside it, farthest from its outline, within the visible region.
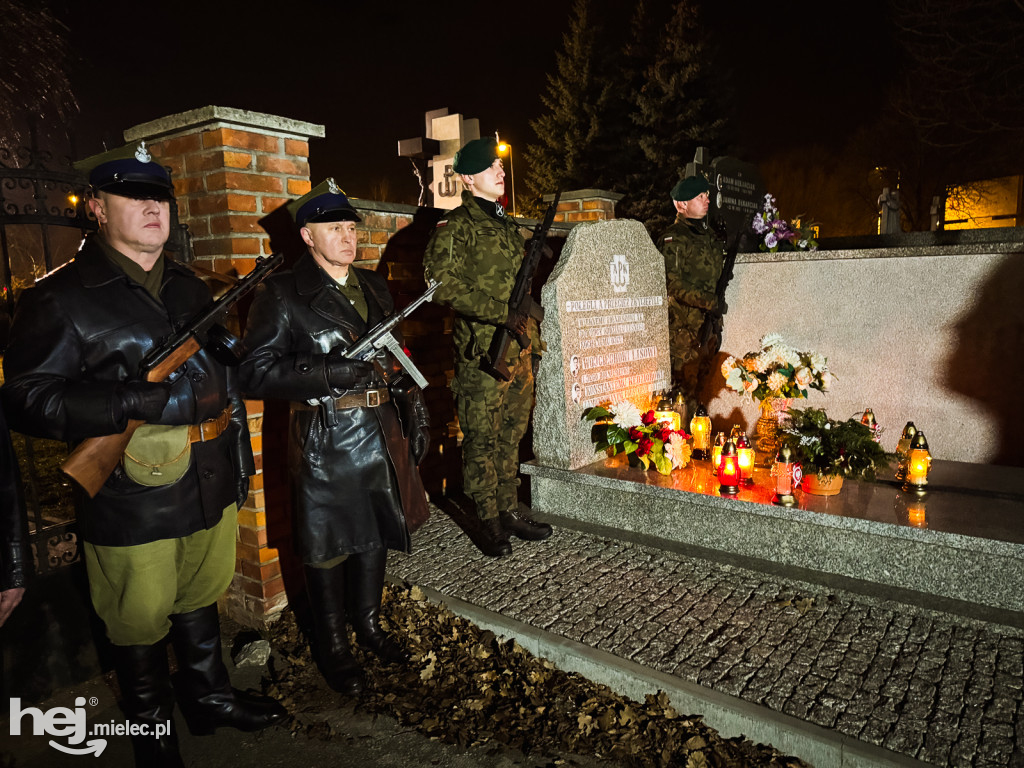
(963, 541)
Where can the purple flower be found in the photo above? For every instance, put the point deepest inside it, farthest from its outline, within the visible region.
(760, 227)
(771, 240)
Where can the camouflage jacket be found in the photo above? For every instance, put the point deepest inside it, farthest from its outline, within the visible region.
(693, 263)
(476, 257)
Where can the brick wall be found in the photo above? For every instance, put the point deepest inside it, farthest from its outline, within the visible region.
(585, 205)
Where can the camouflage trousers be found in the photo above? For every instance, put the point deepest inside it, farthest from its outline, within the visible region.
(684, 349)
(493, 416)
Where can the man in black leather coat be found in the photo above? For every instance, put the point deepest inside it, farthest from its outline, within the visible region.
(158, 552)
(352, 461)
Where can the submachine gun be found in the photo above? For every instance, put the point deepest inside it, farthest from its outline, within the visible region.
(92, 461)
(376, 340)
(520, 300)
(381, 337)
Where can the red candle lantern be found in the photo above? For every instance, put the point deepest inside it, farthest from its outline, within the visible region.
(729, 471)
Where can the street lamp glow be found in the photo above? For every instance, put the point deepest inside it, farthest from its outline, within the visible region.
(503, 148)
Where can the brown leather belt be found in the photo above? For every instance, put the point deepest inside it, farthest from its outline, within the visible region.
(369, 398)
(210, 429)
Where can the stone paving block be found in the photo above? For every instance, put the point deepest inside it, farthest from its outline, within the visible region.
(879, 671)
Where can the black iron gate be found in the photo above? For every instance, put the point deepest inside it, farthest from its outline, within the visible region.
(42, 221)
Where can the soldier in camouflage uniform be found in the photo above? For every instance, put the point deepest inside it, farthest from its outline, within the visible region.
(693, 263)
(475, 253)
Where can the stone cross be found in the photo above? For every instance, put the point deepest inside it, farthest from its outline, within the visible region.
(445, 135)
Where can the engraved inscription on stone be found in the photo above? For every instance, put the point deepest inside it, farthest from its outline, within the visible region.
(606, 330)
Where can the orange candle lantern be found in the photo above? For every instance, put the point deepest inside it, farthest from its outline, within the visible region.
(783, 473)
(716, 450)
(919, 461)
(729, 471)
(745, 459)
(700, 428)
(903, 449)
(664, 413)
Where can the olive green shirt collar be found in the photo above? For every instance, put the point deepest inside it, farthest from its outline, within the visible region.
(151, 280)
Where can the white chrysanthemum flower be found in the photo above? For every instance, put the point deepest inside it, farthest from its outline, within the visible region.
(776, 381)
(728, 365)
(772, 340)
(762, 361)
(626, 414)
(791, 357)
(678, 451)
(734, 380)
(818, 362)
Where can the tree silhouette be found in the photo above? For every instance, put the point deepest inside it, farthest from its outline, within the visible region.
(34, 62)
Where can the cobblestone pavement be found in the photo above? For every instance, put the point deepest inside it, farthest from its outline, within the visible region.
(940, 688)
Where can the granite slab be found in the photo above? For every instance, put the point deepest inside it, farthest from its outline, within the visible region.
(964, 540)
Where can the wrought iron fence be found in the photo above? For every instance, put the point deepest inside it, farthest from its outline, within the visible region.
(42, 220)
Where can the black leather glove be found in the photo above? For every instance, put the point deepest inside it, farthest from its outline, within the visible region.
(242, 492)
(144, 400)
(344, 373)
(516, 322)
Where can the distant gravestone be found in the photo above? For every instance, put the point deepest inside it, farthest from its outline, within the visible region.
(606, 330)
(737, 192)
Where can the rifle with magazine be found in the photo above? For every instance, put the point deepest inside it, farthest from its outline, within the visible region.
(520, 302)
(92, 461)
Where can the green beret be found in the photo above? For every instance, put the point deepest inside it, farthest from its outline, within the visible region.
(689, 188)
(476, 156)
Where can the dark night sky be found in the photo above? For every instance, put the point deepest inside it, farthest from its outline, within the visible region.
(368, 73)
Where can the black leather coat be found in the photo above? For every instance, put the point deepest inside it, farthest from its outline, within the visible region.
(354, 485)
(78, 333)
(15, 555)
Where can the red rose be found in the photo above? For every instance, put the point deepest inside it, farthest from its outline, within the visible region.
(635, 434)
(648, 418)
(645, 446)
(663, 434)
(682, 433)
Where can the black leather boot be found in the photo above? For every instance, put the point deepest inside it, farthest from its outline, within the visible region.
(326, 590)
(204, 690)
(492, 538)
(521, 524)
(146, 699)
(365, 574)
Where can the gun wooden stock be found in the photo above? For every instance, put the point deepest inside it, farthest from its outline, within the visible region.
(92, 460)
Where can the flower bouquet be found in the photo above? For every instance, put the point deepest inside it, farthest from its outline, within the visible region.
(777, 370)
(773, 376)
(829, 448)
(779, 235)
(623, 429)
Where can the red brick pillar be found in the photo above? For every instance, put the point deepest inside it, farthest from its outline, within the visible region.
(585, 205)
(231, 168)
